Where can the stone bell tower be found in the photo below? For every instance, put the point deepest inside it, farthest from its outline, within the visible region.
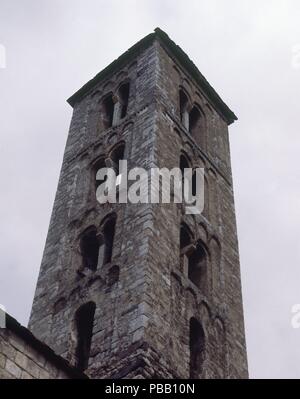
(128, 290)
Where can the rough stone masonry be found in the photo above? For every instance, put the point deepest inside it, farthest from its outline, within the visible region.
(144, 290)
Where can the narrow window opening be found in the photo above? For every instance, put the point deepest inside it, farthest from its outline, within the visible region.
(90, 249)
(184, 164)
(84, 324)
(124, 97)
(108, 233)
(108, 111)
(194, 121)
(197, 267)
(183, 103)
(197, 348)
(185, 247)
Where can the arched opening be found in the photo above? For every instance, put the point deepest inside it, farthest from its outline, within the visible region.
(108, 238)
(183, 164)
(89, 246)
(108, 111)
(197, 267)
(197, 348)
(84, 320)
(124, 97)
(197, 126)
(194, 121)
(183, 102)
(183, 105)
(185, 247)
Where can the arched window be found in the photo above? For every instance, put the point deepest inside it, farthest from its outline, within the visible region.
(184, 164)
(183, 105)
(124, 97)
(197, 267)
(197, 349)
(194, 119)
(108, 239)
(84, 320)
(108, 111)
(183, 102)
(197, 126)
(185, 247)
(89, 245)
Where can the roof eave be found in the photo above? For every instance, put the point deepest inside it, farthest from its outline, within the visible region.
(128, 56)
(180, 56)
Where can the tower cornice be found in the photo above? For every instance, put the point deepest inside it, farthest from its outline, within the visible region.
(181, 57)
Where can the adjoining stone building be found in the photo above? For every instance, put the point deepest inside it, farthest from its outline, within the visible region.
(23, 356)
(144, 290)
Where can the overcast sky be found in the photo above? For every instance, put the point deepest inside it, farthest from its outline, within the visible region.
(248, 50)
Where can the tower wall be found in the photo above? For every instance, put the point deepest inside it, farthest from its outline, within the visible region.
(142, 318)
(119, 319)
(173, 297)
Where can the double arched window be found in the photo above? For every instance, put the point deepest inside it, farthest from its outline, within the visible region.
(114, 106)
(194, 258)
(192, 118)
(97, 247)
(112, 161)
